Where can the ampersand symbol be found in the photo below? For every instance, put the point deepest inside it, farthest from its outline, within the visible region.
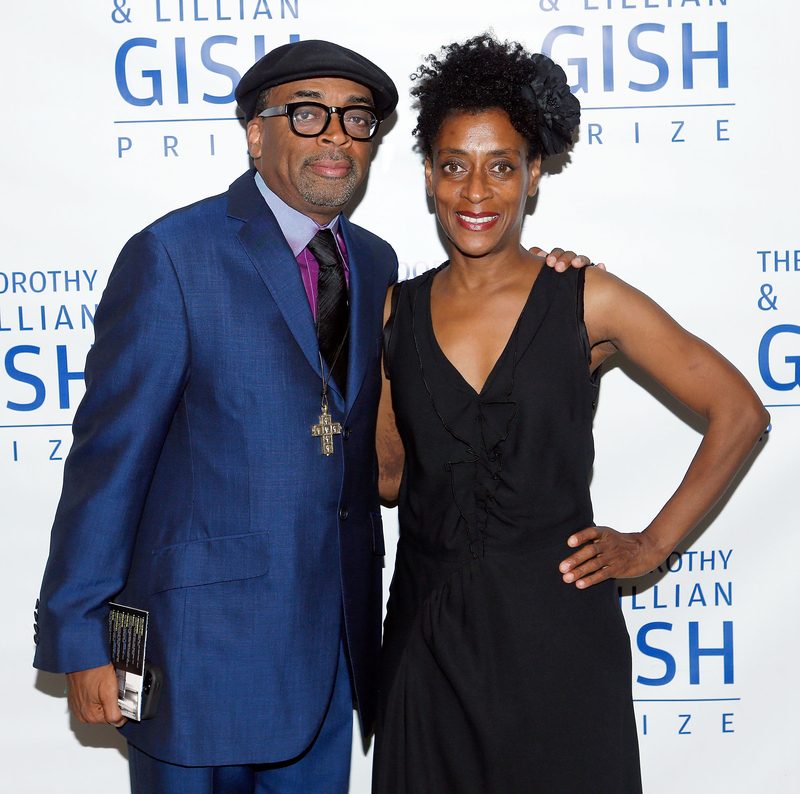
(764, 302)
(119, 15)
(548, 5)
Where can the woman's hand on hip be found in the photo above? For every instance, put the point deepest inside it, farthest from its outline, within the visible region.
(605, 553)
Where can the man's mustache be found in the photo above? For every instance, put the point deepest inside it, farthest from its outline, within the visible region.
(333, 155)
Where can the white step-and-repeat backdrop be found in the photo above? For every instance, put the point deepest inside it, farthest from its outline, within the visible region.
(683, 181)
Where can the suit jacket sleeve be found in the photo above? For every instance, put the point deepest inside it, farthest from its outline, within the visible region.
(135, 375)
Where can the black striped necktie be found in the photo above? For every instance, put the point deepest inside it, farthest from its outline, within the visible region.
(333, 311)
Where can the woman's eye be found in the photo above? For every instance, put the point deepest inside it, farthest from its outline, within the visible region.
(452, 168)
(503, 168)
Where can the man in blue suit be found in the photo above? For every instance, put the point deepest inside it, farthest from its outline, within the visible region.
(223, 474)
(195, 488)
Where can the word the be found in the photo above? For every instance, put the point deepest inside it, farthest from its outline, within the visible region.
(776, 261)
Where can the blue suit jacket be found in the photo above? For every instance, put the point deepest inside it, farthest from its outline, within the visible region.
(195, 490)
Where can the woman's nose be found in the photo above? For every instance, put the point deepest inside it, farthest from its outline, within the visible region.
(476, 188)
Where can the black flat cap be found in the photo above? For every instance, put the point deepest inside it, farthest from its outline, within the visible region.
(303, 59)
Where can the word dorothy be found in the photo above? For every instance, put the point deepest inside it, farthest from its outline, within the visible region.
(18, 282)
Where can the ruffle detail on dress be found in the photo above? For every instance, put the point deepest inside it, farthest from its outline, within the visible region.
(480, 422)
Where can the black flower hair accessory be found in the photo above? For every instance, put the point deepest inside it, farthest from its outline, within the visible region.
(558, 110)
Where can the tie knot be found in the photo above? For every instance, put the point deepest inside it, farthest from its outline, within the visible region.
(323, 247)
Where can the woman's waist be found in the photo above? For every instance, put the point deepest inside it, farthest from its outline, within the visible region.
(462, 540)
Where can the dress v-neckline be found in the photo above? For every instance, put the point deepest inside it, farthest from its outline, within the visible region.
(462, 381)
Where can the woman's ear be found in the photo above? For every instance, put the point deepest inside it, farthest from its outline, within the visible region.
(534, 172)
(429, 176)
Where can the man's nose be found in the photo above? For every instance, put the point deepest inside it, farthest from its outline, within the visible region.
(335, 133)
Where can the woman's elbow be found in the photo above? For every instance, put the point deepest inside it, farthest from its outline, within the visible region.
(753, 418)
(389, 491)
(764, 420)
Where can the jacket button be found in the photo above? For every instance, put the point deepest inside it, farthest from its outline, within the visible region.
(343, 513)
(346, 433)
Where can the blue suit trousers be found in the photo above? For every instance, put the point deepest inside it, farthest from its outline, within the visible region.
(324, 767)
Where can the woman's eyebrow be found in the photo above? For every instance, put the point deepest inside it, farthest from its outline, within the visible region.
(451, 150)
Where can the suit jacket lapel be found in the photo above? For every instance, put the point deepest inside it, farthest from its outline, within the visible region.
(271, 256)
(362, 307)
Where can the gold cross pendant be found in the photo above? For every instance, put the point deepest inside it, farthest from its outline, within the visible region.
(326, 430)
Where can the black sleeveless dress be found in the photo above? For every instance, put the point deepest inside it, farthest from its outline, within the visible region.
(498, 677)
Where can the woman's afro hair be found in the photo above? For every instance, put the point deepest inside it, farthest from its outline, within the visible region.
(480, 74)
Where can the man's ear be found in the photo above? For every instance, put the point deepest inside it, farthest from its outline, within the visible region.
(429, 176)
(254, 131)
(534, 172)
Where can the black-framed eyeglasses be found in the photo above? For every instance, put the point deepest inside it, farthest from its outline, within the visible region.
(309, 119)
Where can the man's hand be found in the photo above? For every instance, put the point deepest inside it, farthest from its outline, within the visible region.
(607, 554)
(560, 259)
(92, 696)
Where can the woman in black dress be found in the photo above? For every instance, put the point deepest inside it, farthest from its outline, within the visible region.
(507, 664)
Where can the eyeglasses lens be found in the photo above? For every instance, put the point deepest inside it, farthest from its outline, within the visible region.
(309, 119)
(360, 123)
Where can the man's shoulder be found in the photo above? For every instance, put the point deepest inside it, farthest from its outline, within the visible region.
(198, 212)
(204, 213)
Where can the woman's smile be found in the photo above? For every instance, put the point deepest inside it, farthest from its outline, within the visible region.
(477, 221)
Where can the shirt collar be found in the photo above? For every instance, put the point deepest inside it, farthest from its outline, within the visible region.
(298, 229)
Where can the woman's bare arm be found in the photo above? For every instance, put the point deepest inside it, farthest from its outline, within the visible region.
(391, 455)
(619, 317)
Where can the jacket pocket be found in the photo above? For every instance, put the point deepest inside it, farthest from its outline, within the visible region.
(209, 560)
(378, 547)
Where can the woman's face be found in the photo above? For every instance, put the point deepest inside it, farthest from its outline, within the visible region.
(480, 179)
